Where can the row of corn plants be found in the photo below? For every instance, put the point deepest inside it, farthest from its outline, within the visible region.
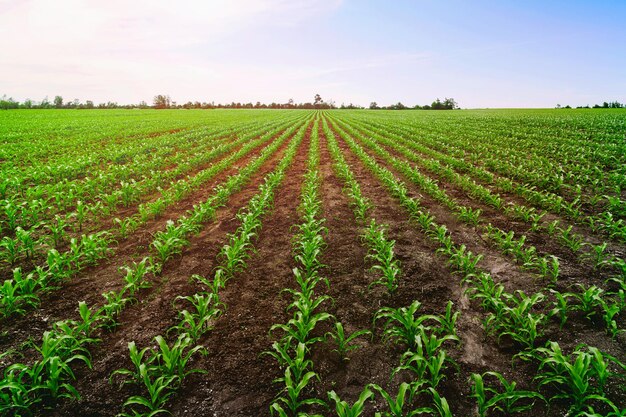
(45, 233)
(113, 158)
(607, 221)
(160, 370)
(292, 350)
(545, 266)
(54, 232)
(117, 300)
(24, 290)
(580, 378)
(563, 235)
(42, 383)
(424, 336)
(528, 161)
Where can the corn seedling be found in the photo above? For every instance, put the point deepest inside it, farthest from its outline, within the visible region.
(580, 378)
(344, 342)
(343, 409)
(291, 399)
(399, 406)
(381, 253)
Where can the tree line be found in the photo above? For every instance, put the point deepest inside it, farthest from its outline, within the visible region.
(605, 105)
(162, 101)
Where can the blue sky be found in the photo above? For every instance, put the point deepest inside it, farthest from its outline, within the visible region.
(482, 53)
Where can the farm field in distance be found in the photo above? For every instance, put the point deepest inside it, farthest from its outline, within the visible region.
(279, 262)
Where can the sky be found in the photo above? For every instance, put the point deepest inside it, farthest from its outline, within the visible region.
(481, 53)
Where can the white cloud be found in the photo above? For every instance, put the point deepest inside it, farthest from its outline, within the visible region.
(123, 50)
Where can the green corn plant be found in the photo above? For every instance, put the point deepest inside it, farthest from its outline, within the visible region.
(570, 239)
(344, 342)
(343, 409)
(135, 277)
(10, 250)
(589, 300)
(441, 404)
(126, 226)
(27, 243)
(535, 222)
(469, 215)
(127, 192)
(306, 306)
(502, 396)
(115, 303)
(381, 252)
(513, 317)
(206, 307)
(80, 213)
(307, 284)
(552, 227)
(94, 247)
(168, 247)
(19, 293)
(234, 254)
(599, 256)
(447, 321)
(12, 215)
(90, 320)
(428, 360)
(615, 411)
(610, 310)
(547, 267)
(173, 360)
(293, 391)
(308, 251)
(464, 260)
(579, 378)
(160, 371)
(138, 358)
(57, 230)
(402, 325)
(297, 362)
(561, 306)
(439, 233)
(397, 407)
(159, 388)
(425, 220)
(299, 328)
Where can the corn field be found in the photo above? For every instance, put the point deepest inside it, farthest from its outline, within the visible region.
(301, 263)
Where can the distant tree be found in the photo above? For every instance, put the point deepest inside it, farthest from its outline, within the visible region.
(450, 104)
(374, 106)
(8, 103)
(89, 104)
(28, 104)
(437, 105)
(58, 102)
(162, 102)
(397, 106)
(317, 100)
